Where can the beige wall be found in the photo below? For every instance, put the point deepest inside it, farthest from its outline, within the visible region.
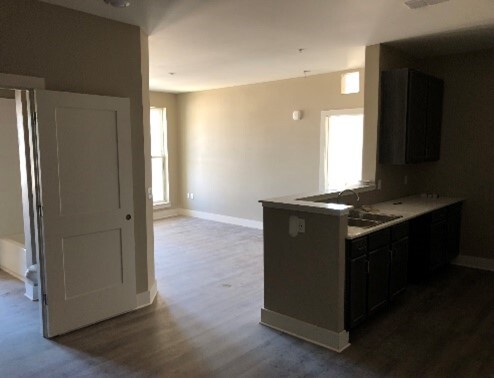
(78, 52)
(169, 101)
(11, 221)
(240, 144)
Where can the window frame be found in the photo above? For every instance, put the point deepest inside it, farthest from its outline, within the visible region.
(323, 155)
(163, 156)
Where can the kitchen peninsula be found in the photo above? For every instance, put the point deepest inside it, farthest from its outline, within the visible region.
(307, 246)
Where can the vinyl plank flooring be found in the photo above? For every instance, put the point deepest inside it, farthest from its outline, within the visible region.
(205, 323)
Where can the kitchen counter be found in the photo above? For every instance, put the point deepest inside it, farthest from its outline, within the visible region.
(406, 207)
(305, 261)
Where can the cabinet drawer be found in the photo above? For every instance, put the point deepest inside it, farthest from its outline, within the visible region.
(379, 239)
(358, 247)
(399, 231)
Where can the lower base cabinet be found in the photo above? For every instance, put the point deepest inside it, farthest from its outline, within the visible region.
(376, 271)
(434, 241)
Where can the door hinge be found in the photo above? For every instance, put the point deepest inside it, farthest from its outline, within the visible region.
(45, 300)
(40, 211)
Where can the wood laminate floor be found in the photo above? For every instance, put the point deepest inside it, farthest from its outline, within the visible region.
(204, 323)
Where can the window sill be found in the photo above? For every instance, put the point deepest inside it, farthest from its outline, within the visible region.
(161, 205)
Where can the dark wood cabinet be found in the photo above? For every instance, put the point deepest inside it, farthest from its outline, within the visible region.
(410, 117)
(434, 241)
(378, 279)
(454, 224)
(358, 289)
(376, 271)
(398, 272)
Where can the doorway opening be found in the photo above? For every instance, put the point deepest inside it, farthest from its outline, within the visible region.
(18, 276)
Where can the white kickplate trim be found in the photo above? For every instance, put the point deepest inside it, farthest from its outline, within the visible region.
(335, 341)
(147, 297)
(222, 218)
(474, 262)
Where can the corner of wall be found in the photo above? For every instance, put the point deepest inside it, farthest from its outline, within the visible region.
(147, 160)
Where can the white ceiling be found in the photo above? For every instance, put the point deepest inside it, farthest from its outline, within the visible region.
(219, 43)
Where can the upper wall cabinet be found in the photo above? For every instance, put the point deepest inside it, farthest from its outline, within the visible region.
(410, 117)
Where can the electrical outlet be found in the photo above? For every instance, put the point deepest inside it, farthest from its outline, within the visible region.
(301, 225)
(191, 196)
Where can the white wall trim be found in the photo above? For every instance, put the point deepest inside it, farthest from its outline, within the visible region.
(147, 297)
(474, 262)
(165, 213)
(337, 341)
(21, 82)
(222, 218)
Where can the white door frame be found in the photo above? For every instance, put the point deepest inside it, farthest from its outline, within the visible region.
(26, 157)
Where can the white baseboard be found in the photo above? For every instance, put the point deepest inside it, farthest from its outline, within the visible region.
(146, 298)
(474, 262)
(12, 273)
(222, 218)
(337, 341)
(31, 291)
(165, 213)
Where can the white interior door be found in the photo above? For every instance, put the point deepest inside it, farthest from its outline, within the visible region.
(86, 243)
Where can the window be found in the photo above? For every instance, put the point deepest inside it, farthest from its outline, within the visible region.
(350, 82)
(342, 135)
(159, 156)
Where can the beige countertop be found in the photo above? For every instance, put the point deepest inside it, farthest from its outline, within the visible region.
(406, 207)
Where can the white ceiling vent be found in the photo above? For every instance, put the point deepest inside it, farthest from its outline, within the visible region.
(415, 4)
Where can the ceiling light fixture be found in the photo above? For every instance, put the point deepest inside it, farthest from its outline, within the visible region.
(118, 3)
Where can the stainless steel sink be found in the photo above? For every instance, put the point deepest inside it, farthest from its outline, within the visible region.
(359, 218)
(362, 223)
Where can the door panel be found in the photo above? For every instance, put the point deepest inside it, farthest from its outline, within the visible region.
(378, 279)
(83, 165)
(417, 117)
(85, 170)
(80, 252)
(398, 267)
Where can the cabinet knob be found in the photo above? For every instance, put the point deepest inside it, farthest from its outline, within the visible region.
(128, 217)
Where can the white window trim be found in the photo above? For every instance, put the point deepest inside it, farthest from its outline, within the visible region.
(163, 204)
(323, 149)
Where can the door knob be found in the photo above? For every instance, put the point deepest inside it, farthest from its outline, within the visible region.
(128, 217)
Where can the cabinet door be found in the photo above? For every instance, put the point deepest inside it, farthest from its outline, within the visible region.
(416, 117)
(438, 255)
(378, 284)
(357, 291)
(454, 225)
(393, 116)
(398, 267)
(434, 118)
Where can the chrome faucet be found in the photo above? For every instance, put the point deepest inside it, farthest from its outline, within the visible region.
(347, 190)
